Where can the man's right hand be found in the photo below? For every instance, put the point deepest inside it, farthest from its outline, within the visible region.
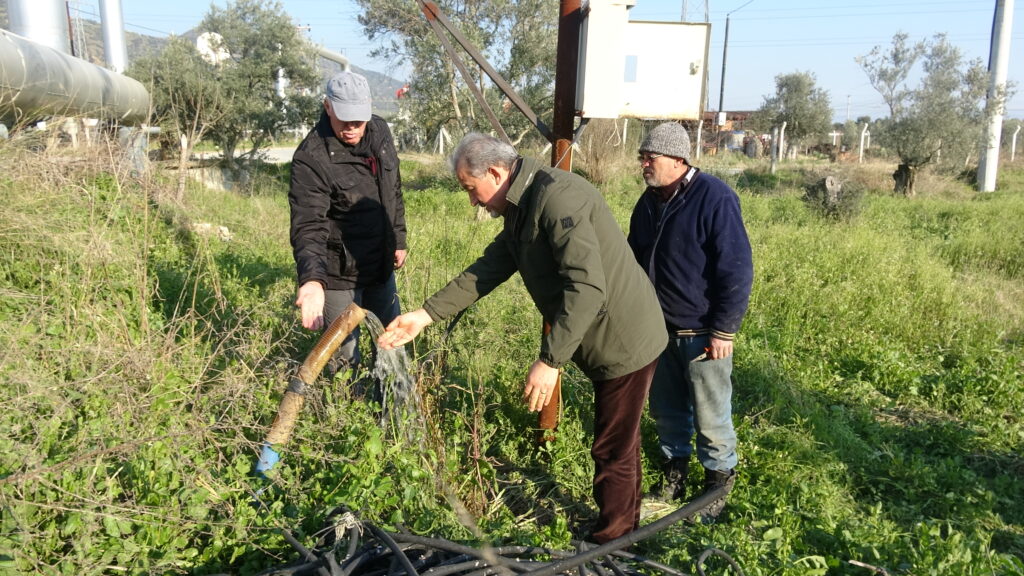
(311, 301)
(404, 328)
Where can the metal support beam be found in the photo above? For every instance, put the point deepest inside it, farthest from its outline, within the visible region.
(435, 18)
(430, 11)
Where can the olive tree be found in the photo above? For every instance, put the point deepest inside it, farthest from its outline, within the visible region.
(268, 76)
(937, 121)
(257, 78)
(805, 108)
(186, 101)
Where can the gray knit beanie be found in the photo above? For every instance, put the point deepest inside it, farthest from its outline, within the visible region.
(669, 138)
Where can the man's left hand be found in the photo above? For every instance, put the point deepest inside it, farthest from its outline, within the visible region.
(400, 258)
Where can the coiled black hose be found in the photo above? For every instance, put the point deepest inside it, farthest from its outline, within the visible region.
(404, 554)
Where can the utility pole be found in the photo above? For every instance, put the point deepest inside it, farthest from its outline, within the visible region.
(721, 89)
(567, 59)
(563, 125)
(998, 65)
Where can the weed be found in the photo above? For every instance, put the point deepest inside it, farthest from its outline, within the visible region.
(878, 382)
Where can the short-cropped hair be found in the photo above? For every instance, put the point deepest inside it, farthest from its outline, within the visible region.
(477, 152)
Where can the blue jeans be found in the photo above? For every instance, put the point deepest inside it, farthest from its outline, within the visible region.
(688, 397)
(381, 299)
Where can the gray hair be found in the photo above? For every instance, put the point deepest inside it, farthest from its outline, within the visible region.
(477, 152)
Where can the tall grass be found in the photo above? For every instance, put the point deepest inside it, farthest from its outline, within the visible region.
(878, 384)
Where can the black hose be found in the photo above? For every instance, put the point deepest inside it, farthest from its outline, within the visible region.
(716, 552)
(446, 558)
(306, 554)
(690, 510)
(446, 569)
(287, 570)
(461, 549)
(649, 563)
(390, 543)
(332, 565)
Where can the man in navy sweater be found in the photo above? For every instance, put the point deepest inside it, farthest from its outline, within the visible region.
(687, 233)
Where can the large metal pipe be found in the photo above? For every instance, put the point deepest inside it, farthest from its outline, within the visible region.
(332, 56)
(44, 21)
(39, 80)
(112, 21)
(998, 66)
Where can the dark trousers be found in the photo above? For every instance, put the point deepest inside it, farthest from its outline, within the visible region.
(618, 406)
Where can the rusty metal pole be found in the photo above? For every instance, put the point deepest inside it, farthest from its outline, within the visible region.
(567, 59)
(563, 124)
(547, 420)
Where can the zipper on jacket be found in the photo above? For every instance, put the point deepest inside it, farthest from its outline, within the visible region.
(671, 207)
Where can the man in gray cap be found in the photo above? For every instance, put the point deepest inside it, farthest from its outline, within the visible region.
(687, 233)
(347, 214)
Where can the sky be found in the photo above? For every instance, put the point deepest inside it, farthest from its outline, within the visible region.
(767, 38)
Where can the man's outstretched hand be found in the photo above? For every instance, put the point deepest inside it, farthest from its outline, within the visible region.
(403, 329)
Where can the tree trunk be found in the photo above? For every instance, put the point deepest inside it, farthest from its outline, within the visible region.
(904, 177)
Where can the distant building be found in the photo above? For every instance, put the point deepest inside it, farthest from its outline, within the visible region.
(211, 47)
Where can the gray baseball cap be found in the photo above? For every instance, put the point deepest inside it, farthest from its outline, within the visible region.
(349, 95)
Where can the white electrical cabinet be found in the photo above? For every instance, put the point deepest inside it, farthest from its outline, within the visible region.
(655, 70)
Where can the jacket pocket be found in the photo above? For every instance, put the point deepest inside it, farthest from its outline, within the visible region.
(603, 347)
(339, 262)
(343, 191)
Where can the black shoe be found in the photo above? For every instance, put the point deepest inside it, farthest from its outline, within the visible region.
(673, 486)
(714, 479)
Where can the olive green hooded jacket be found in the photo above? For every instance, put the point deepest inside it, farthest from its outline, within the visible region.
(561, 237)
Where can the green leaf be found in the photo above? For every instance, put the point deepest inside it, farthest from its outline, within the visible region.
(110, 524)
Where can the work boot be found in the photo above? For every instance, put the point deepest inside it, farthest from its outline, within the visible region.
(674, 485)
(714, 479)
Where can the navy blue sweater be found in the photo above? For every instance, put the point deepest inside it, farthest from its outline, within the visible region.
(697, 255)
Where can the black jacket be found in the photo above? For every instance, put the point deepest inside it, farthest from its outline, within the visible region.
(347, 213)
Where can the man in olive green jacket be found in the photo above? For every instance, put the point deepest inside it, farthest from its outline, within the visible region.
(561, 237)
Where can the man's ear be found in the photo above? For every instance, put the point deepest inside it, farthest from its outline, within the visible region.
(495, 173)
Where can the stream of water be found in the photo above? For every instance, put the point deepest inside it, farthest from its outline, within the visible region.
(399, 398)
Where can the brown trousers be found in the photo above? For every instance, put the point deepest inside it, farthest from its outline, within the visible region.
(618, 406)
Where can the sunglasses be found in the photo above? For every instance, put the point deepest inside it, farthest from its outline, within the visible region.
(647, 158)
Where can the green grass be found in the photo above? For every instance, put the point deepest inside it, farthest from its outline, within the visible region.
(878, 378)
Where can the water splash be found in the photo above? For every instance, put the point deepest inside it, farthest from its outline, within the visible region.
(400, 399)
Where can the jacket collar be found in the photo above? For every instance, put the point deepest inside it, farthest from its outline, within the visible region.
(522, 177)
(654, 194)
(336, 149)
